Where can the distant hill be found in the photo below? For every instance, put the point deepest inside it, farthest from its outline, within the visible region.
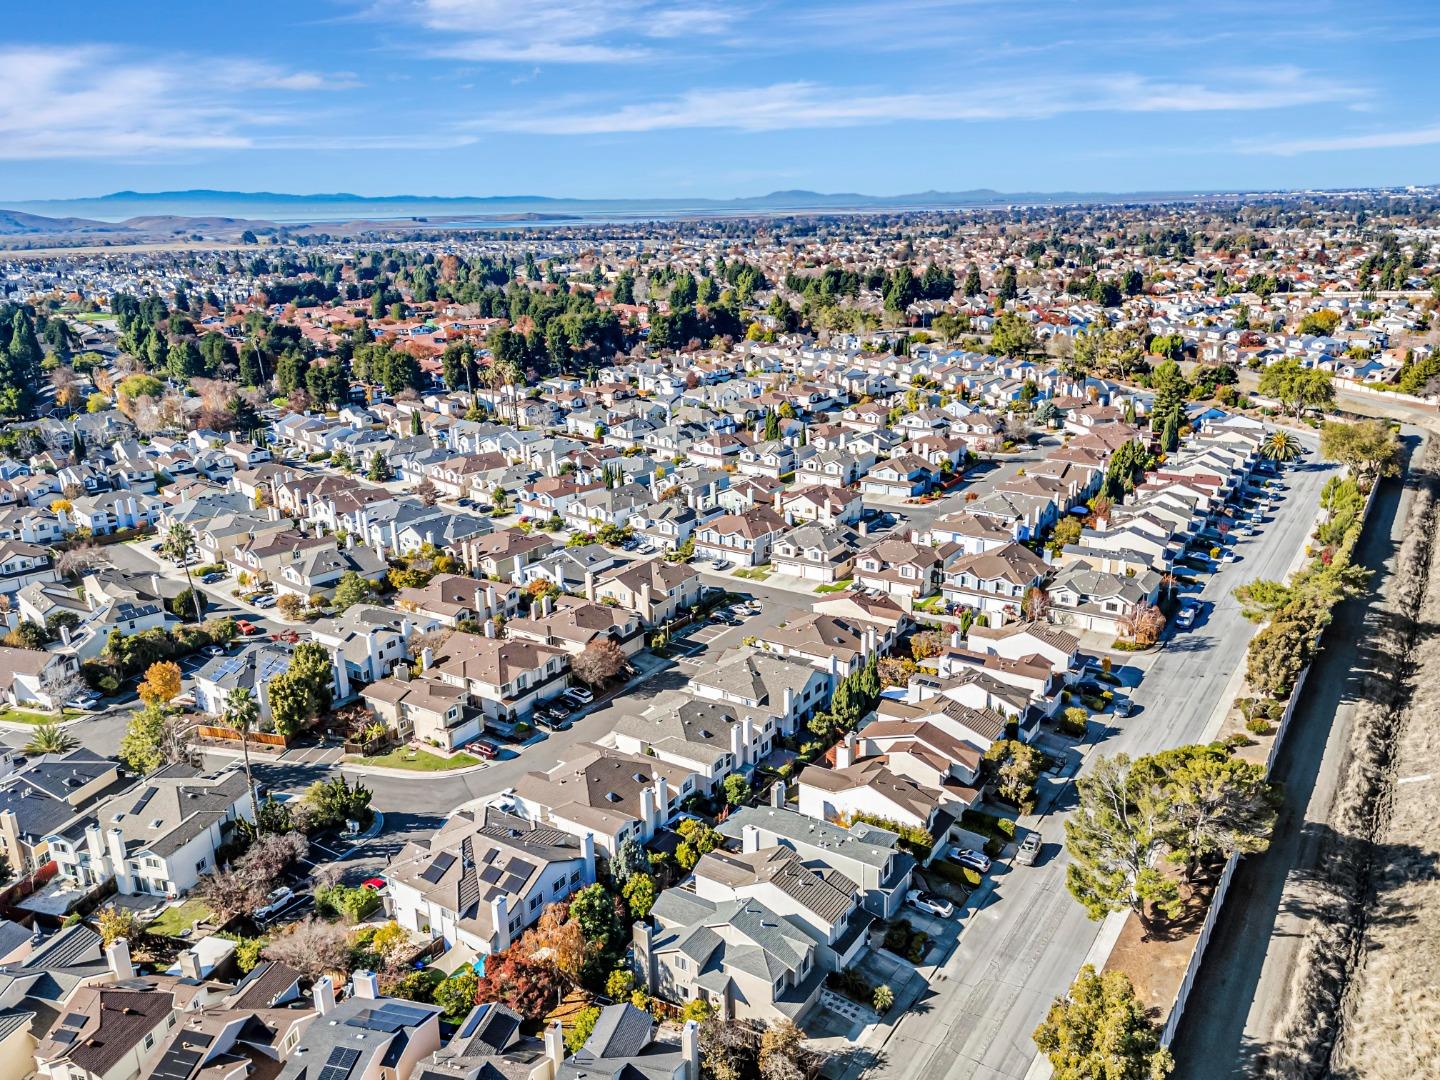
(15, 223)
(344, 206)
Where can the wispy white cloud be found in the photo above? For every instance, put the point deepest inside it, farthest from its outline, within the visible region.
(800, 104)
(1373, 140)
(558, 31)
(93, 102)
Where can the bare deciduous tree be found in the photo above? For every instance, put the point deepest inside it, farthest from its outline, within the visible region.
(312, 947)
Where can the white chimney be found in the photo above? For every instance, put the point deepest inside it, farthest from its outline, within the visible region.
(117, 955)
(555, 1047)
(777, 795)
(427, 658)
(189, 964)
(845, 751)
(647, 811)
(490, 628)
(662, 800)
(324, 995)
(500, 922)
(365, 984)
(690, 1049)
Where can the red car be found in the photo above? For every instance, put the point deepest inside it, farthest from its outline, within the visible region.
(376, 883)
(246, 627)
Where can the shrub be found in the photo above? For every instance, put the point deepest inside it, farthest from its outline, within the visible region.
(1259, 726)
(1073, 721)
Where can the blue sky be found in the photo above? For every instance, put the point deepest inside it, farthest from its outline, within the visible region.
(612, 98)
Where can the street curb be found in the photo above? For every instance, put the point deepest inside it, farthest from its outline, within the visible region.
(408, 774)
(377, 826)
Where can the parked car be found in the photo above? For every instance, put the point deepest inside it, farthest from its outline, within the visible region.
(246, 627)
(929, 903)
(264, 601)
(551, 723)
(972, 860)
(275, 902)
(580, 694)
(1185, 618)
(376, 883)
(85, 703)
(1124, 706)
(487, 750)
(211, 579)
(1029, 850)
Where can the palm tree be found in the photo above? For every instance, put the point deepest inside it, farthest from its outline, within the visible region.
(1280, 446)
(511, 376)
(243, 714)
(50, 738)
(179, 544)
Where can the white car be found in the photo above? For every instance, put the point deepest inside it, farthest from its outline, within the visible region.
(275, 902)
(579, 693)
(1185, 618)
(264, 601)
(929, 903)
(974, 860)
(84, 704)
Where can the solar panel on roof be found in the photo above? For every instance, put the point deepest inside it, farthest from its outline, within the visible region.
(177, 1064)
(444, 860)
(407, 1014)
(145, 797)
(73, 1020)
(342, 1059)
(512, 883)
(489, 855)
(490, 875)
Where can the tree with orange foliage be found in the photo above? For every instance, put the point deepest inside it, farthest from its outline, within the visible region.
(162, 683)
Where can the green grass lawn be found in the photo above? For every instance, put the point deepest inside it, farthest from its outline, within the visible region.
(25, 716)
(934, 605)
(755, 573)
(839, 586)
(175, 920)
(416, 761)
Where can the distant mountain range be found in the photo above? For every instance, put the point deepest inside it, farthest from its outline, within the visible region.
(131, 216)
(285, 208)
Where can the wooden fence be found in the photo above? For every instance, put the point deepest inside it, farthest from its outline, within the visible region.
(228, 734)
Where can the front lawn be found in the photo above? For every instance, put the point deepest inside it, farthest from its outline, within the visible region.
(839, 586)
(179, 918)
(755, 573)
(416, 761)
(25, 716)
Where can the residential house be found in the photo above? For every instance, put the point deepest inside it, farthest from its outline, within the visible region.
(787, 688)
(823, 553)
(606, 794)
(995, 582)
(157, 838)
(904, 569)
(506, 678)
(655, 589)
(742, 539)
(485, 876)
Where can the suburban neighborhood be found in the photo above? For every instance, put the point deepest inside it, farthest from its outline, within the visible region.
(627, 651)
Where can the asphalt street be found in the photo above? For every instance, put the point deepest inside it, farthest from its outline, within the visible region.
(1244, 981)
(1024, 946)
